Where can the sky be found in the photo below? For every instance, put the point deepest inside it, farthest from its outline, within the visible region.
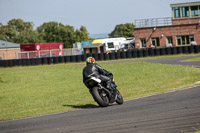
(98, 16)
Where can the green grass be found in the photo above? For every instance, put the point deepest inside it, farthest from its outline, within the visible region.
(38, 90)
(193, 59)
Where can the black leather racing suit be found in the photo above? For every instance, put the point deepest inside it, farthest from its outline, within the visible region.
(97, 71)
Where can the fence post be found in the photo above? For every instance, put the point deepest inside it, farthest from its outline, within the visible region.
(4, 54)
(16, 55)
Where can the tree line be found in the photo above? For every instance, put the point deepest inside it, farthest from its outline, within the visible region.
(18, 31)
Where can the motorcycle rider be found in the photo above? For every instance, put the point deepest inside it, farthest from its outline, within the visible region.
(94, 69)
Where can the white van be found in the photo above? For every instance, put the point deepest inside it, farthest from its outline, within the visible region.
(111, 44)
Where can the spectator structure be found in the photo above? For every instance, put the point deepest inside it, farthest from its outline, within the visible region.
(182, 29)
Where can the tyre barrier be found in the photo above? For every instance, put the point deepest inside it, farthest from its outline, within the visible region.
(196, 49)
(128, 54)
(83, 57)
(112, 56)
(16, 62)
(162, 51)
(67, 59)
(2, 63)
(88, 55)
(78, 58)
(139, 53)
(157, 51)
(136, 53)
(185, 49)
(173, 50)
(179, 50)
(122, 55)
(191, 49)
(55, 60)
(151, 52)
(61, 59)
(6, 63)
(10, 63)
(28, 62)
(101, 56)
(95, 56)
(73, 58)
(50, 60)
(117, 55)
(168, 51)
(145, 52)
(106, 56)
(45, 61)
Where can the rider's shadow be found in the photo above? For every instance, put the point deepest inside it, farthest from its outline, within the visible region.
(86, 106)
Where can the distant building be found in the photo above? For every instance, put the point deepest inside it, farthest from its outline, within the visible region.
(94, 48)
(8, 50)
(183, 28)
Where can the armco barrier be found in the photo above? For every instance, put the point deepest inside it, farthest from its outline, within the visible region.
(136, 53)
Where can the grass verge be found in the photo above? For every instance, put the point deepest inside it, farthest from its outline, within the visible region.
(38, 90)
(191, 60)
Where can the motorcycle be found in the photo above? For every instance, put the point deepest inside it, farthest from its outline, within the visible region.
(103, 96)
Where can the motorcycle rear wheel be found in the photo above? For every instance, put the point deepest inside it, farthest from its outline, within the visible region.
(98, 96)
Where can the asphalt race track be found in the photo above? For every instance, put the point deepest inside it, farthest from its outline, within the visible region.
(172, 112)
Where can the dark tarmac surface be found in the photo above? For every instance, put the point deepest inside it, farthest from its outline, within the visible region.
(176, 61)
(172, 112)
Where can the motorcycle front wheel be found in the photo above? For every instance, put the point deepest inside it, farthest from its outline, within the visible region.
(100, 97)
(119, 99)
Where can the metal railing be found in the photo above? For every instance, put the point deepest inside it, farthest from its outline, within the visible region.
(154, 22)
(40, 54)
(53, 53)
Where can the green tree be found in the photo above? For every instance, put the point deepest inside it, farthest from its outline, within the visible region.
(56, 32)
(123, 30)
(18, 31)
(82, 35)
